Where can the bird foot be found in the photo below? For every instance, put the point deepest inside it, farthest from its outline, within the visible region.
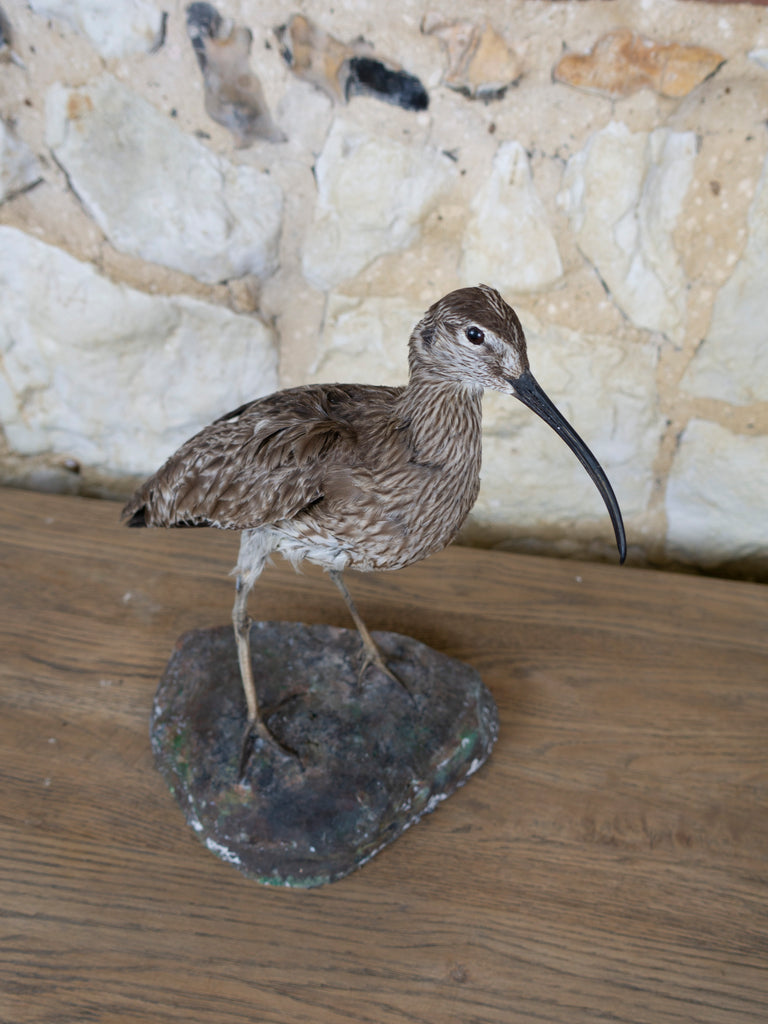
(256, 732)
(373, 659)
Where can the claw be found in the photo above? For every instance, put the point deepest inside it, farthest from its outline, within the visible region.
(372, 659)
(256, 731)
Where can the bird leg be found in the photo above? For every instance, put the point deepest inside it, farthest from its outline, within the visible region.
(255, 727)
(241, 621)
(371, 655)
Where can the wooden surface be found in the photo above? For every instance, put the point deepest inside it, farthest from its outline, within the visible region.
(609, 863)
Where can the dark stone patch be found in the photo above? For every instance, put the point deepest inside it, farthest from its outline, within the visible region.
(368, 76)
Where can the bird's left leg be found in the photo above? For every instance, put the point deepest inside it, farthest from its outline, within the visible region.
(372, 655)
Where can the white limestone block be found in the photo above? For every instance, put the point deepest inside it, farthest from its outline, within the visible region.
(158, 193)
(115, 27)
(607, 391)
(19, 167)
(623, 193)
(365, 340)
(715, 501)
(508, 242)
(731, 364)
(109, 375)
(759, 56)
(373, 193)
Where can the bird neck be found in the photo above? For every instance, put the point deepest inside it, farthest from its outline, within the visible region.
(444, 419)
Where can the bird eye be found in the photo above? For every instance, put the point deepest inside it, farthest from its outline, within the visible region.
(475, 335)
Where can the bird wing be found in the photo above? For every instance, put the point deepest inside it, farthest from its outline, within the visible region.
(267, 461)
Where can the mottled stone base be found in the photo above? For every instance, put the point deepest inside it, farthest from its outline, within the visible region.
(373, 759)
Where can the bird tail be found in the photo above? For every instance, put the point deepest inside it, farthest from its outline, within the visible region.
(134, 516)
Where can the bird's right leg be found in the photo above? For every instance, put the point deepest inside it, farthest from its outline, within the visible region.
(241, 622)
(255, 726)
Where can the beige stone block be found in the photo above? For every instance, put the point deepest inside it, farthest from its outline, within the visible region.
(622, 62)
(480, 64)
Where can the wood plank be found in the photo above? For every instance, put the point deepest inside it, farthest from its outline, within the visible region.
(610, 862)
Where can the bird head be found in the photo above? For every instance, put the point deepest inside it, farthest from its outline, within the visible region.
(472, 337)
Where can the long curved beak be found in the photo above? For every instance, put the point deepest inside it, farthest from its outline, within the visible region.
(529, 392)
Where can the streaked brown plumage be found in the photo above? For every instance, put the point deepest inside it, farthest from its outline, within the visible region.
(358, 476)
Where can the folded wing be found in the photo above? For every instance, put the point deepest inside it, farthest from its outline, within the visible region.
(262, 463)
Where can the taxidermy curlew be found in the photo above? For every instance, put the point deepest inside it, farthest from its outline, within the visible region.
(358, 476)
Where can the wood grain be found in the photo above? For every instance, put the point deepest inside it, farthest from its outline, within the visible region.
(609, 863)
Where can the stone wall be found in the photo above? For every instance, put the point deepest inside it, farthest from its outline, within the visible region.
(186, 222)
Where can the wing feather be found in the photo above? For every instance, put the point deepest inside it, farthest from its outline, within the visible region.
(261, 463)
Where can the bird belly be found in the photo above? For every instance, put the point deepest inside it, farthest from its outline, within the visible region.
(385, 523)
(294, 545)
(391, 527)
(320, 549)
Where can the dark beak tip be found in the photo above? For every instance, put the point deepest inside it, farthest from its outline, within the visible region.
(617, 521)
(529, 392)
